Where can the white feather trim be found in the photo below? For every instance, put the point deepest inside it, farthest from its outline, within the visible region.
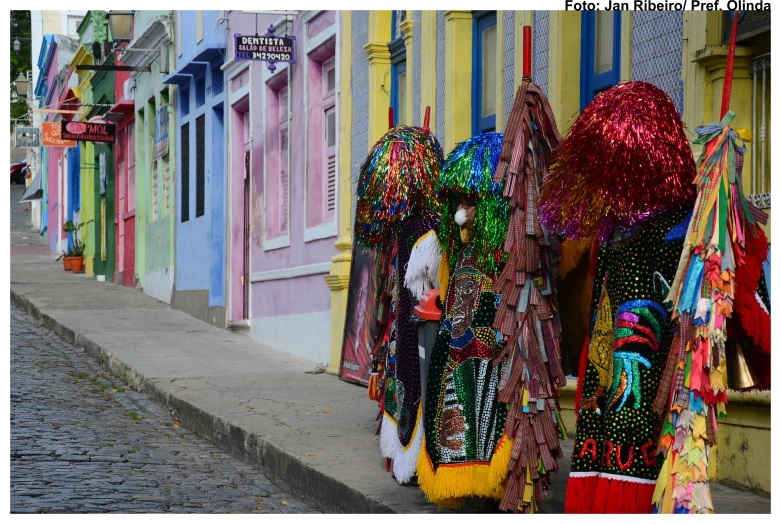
(404, 461)
(423, 265)
(405, 464)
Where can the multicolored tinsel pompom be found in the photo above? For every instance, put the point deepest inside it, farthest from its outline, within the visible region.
(625, 159)
(468, 170)
(396, 181)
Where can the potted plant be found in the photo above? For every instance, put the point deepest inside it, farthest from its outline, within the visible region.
(66, 259)
(76, 253)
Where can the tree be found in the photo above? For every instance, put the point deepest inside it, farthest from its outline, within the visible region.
(21, 61)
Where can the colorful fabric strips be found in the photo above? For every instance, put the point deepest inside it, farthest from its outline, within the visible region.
(694, 388)
(527, 316)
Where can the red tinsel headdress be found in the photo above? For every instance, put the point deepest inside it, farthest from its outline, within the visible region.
(625, 159)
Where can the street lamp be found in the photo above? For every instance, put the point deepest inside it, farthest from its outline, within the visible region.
(21, 86)
(17, 45)
(120, 23)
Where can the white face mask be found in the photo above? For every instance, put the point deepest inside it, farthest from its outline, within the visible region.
(461, 217)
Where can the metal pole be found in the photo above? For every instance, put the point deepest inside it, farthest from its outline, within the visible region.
(754, 138)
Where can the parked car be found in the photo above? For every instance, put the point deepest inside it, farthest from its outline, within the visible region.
(18, 170)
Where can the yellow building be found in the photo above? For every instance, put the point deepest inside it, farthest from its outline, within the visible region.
(466, 66)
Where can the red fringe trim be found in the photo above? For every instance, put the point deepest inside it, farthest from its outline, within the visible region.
(580, 494)
(621, 496)
(753, 319)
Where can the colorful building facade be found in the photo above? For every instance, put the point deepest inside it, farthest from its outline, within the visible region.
(149, 171)
(284, 183)
(231, 185)
(200, 165)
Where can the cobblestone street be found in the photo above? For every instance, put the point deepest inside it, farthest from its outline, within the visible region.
(81, 442)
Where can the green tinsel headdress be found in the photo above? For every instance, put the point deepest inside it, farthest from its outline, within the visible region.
(468, 170)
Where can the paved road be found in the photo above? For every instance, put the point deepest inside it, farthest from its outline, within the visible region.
(81, 442)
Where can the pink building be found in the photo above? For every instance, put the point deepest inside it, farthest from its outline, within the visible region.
(282, 156)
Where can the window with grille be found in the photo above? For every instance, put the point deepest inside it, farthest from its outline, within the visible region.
(186, 172)
(284, 175)
(200, 165)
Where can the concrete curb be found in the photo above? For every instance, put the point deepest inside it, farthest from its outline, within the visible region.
(314, 487)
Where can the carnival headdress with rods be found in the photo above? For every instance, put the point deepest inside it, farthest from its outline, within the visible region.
(468, 170)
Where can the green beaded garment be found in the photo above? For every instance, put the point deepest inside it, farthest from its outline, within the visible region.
(464, 422)
(631, 332)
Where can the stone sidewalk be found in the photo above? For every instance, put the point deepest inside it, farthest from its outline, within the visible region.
(311, 434)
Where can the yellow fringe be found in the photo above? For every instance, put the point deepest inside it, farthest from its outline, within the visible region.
(572, 251)
(448, 483)
(444, 277)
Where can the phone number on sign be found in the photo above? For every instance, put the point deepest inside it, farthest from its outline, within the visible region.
(271, 56)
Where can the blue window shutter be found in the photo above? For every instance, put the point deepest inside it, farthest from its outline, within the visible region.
(75, 170)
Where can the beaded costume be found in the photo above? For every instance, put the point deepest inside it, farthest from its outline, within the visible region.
(397, 205)
(624, 175)
(465, 451)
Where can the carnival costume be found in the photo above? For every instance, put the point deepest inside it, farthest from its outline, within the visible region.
(466, 452)
(623, 176)
(397, 204)
(718, 274)
(527, 317)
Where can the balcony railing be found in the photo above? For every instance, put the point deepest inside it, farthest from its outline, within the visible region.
(760, 145)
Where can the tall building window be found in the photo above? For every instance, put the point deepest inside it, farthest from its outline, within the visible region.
(484, 72)
(200, 166)
(185, 172)
(600, 66)
(398, 51)
(329, 138)
(284, 172)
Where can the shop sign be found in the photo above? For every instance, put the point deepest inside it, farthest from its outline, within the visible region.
(265, 48)
(102, 132)
(27, 136)
(161, 133)
(52, 131)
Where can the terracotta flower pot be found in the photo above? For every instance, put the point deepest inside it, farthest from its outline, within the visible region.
(66, 263)
(77, 264)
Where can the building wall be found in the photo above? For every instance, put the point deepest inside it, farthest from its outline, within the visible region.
(287, 286)
(657, 44)
(155, 260)
(201, 240)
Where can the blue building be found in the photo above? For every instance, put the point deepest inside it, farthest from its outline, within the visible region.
(199, 287)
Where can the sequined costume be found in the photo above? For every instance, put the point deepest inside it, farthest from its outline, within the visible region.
(400, 435)
(465, 452)
(614, 456)
(622, 175)
(397, 205)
